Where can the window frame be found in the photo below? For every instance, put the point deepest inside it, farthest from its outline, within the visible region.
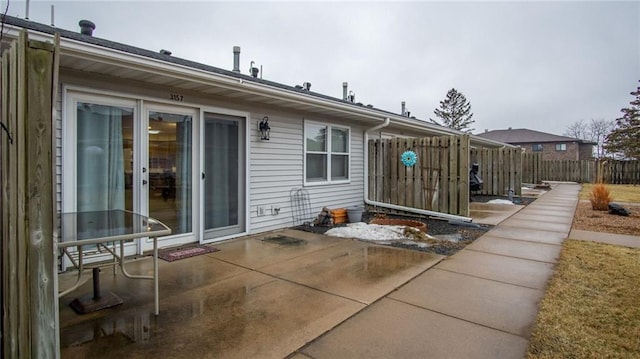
(69, 160)
(328, 153)
(563, 147)
(537, 147)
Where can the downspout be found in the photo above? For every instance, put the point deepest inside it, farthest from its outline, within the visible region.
(425, 212)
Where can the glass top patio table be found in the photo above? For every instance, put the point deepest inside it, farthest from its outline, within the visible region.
(83, 228)
(103, 229)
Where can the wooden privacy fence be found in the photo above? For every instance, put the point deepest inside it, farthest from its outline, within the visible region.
(29, 299)
(618, 172)
(439, 181)
(535, 170)
(500, 169)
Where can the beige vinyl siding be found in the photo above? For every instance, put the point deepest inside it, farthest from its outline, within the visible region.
(58, 150)
(277, 168)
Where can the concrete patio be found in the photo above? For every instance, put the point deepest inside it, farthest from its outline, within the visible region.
(253, 298)
(336, 298)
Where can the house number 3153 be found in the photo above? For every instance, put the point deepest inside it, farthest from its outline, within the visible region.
(176, 97)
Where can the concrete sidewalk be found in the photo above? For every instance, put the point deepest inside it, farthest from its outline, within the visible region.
(608, 238)
(480, 303)
(328, 297)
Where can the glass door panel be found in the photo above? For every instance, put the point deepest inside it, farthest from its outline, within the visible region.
(223, 187)
(170, 170)
(104, 165)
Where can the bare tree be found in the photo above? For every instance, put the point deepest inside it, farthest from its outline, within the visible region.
(598, 131)
(577, 129)
(595, 131)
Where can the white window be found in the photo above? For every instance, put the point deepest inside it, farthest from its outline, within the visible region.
(537, 147)
(561, 146)
(327, 153)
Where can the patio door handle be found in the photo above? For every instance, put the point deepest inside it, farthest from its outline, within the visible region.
(144, 182)
(202, 175)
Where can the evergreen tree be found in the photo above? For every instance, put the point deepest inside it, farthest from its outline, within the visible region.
(625, 137)
(454, 112)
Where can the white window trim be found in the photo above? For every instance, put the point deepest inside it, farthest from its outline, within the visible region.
(561, 145)
(69, 155)
(328, 153)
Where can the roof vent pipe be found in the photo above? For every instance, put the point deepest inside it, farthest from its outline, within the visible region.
(236, 59)
(86, 27)
(345, 85)
(165, 52)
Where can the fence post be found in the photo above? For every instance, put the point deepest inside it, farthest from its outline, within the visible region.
(29, 296)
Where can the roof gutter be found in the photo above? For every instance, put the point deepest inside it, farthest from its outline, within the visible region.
(425, 212)
(80, 49)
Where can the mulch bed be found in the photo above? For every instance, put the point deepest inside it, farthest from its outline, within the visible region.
(435, 226)
(588, 219)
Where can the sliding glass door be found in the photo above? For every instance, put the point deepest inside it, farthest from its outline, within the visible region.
(169, 171)
(223, 189)
(185, 167)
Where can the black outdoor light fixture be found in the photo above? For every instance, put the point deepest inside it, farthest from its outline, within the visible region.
(264, 128)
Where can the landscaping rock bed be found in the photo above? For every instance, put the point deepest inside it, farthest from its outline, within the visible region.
(450, 237)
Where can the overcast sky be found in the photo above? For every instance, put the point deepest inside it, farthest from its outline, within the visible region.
(536, 65)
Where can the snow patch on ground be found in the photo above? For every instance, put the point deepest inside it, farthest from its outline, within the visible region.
(500, 201)
(370, 232)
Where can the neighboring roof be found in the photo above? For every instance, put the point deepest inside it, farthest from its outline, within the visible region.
(294, 95)
(523, 135)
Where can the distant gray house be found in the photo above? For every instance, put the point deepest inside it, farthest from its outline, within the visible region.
(552, 147)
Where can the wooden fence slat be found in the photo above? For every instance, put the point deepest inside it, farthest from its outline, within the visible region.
(444, 172)
(463, 187)
(28, 294)
(393, 163)
(435, 174)
(402, 174)
(453, 175)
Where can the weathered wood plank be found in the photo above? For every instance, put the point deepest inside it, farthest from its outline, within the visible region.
(387, 171)
(28, 267)
(402, 174)
(435, 176)
(380, 168)
(453, 175)
(418, 201)
(20, 145)
(394, 170)
(463, 186)
(444, 171)
(39, 208)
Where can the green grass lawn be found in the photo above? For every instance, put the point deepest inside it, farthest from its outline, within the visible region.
(591, 308)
